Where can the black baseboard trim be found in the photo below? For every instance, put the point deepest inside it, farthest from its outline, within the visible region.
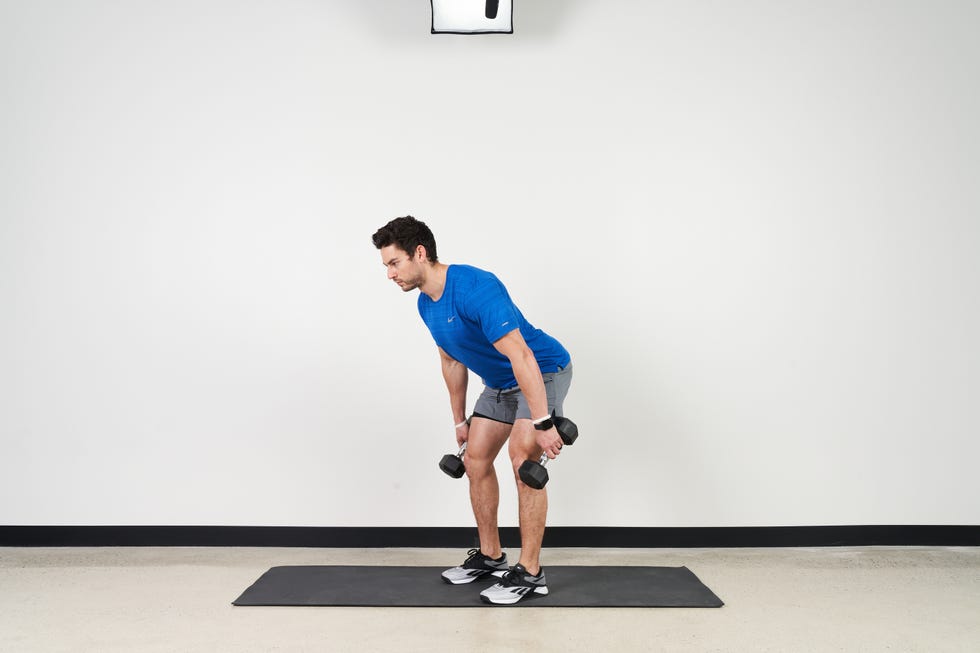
(558, 536)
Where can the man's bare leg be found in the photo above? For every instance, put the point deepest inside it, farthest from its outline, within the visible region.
(486, 438)
(533, 504)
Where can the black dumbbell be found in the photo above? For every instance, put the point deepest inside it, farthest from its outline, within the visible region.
(452, 464)
(533, 473)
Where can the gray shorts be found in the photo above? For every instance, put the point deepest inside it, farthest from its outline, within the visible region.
(509, 405)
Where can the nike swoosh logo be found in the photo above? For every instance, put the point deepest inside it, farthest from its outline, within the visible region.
(451, 319)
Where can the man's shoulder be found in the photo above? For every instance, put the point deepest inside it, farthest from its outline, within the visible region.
(477, 290)
(471, 275)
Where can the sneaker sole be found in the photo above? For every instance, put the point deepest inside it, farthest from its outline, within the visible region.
(541, 591)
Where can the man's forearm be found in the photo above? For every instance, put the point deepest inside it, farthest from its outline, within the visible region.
(531, 383)
(457, 379)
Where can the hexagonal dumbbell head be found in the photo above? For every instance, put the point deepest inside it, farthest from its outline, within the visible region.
(452, 464)
(566, 428)
(533, 474)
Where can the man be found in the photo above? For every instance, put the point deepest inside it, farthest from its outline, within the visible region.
(526, 374)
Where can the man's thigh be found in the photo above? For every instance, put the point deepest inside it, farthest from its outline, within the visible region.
(486, 438)
(523, 444)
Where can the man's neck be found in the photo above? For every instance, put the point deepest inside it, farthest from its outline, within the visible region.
(435, 281)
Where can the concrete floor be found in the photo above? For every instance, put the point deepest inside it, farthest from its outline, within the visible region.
(179, 599)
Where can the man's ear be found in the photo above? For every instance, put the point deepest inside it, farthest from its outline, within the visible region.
(421, 253)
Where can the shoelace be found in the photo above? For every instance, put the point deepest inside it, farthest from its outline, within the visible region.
(472, 553)
(510, 576)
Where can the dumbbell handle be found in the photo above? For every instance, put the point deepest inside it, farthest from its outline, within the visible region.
(462, 450)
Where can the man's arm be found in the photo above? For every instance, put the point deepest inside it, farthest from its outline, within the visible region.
(528, 376)
(457, 378)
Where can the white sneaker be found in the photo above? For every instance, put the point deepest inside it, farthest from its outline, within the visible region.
(515, 585)
(476, 566)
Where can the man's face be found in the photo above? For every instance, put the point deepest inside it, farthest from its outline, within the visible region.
(403, 268)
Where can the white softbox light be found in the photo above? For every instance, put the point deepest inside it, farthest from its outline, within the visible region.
(472, 17)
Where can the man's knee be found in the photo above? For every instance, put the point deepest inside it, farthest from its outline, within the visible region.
(523, 445)
(478, 468)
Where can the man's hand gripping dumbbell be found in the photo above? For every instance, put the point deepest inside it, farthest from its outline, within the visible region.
(533, 473)
(452, 464)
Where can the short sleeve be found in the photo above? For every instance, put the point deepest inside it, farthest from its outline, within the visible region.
(488, 303)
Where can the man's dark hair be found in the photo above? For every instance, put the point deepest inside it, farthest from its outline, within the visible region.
(407, 233)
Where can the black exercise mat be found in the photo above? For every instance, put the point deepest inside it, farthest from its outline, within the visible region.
(571, 587)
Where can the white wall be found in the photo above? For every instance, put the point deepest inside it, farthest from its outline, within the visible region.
(754, 224)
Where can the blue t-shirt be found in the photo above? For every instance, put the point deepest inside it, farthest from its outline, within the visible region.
(474, 312)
